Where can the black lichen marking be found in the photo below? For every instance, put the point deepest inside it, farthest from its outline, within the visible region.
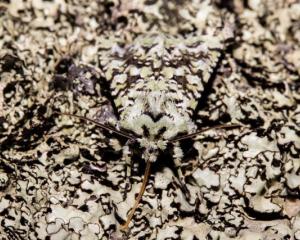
(266, 40)
(28, 138)
(10, 62)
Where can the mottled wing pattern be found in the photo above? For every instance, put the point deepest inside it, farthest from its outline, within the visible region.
(157, 80)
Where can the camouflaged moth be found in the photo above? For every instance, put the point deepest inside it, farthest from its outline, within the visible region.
(156, 83)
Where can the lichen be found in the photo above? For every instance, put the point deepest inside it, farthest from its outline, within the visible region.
(61, 178)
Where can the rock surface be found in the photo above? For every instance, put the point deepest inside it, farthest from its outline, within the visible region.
(64, 179)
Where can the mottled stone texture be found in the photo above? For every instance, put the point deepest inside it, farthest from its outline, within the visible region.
(61, 178)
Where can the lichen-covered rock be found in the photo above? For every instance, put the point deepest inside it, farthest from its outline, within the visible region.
(61, 178)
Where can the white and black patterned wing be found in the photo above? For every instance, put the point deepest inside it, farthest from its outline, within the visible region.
(157, 81)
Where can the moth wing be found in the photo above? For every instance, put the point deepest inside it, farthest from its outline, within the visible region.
(182, 66)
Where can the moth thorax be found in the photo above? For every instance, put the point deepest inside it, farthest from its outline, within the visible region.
(155, 102)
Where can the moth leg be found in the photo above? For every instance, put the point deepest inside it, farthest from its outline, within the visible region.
(178, 156)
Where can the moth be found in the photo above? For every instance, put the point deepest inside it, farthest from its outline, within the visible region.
(156, 83)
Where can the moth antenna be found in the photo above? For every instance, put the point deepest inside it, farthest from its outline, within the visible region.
(103, 126)
(139, 197)
(204, 130)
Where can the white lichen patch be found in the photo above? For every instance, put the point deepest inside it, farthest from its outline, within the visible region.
(156, 69)
(256, 145)
(206, 178)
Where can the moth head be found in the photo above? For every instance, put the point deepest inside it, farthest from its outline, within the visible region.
(151, 148)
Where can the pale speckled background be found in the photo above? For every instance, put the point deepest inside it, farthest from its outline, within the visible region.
(63, 179)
